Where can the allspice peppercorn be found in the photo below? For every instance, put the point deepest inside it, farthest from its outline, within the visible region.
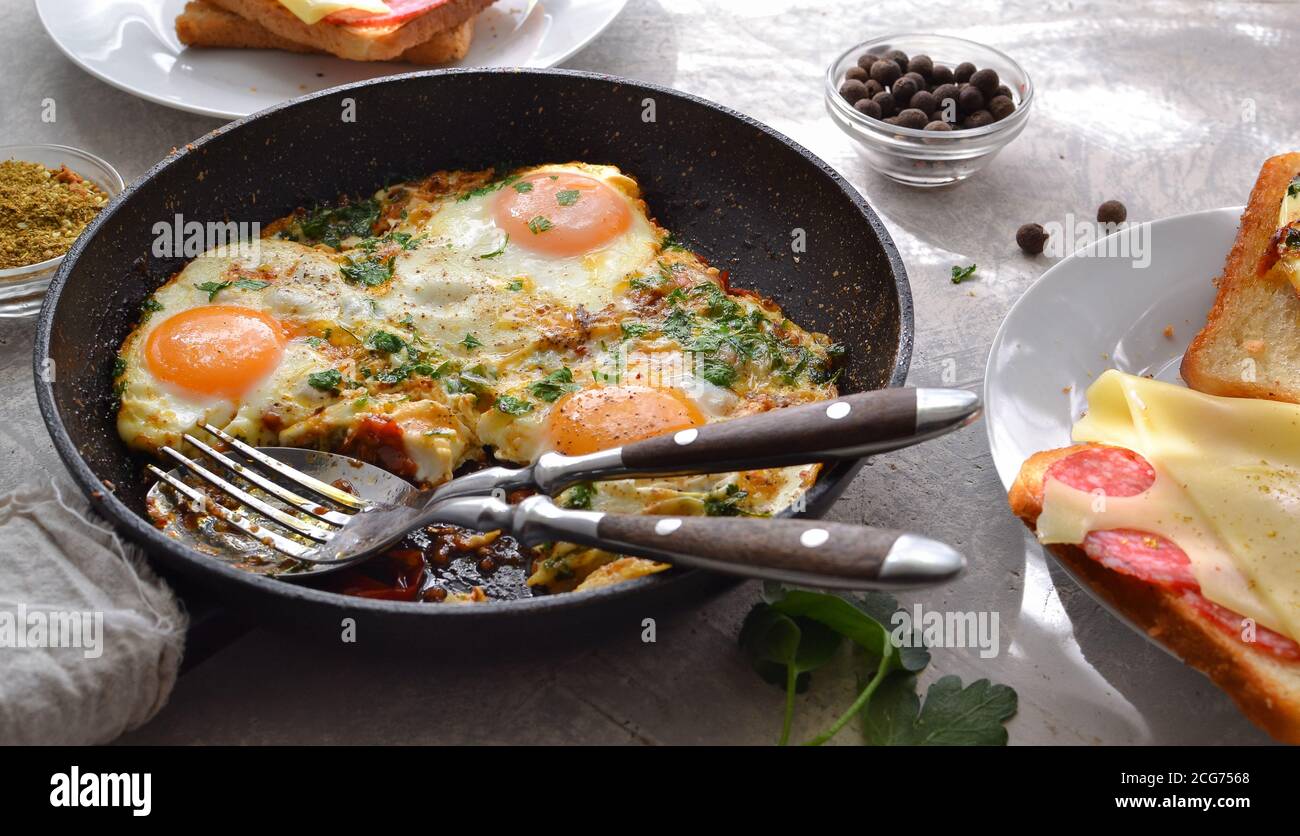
(866, 59)
(1031, 238)
(925, 102)
(856, 73)
(1111, 212)
(903, 89)
(986, 81)
(867, 108)
(886, 102)
(938, 125)
(852, 90)
(970, 99)
(913, 118)
(978, 119)
(921, 64)
(941, 74)
(964, 71)
(886, 72)
(1001, 107)
(898, 57)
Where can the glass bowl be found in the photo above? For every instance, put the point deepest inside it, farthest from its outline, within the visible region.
(930, 158)
(22, 289)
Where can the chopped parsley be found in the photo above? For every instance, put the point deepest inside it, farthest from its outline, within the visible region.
(489, 188)
(961, 274)
(718, 372)
(212, 288)
(727, 503)
(523, 187)
(367, 271)
(251, 284)
(515, 285)
(670, 242)
(471, 342)
(1293, 188)
(567, 197)
(150, 306)
(498, 251)
(119, 367)
(554, 386)
(331, 225)
(633, 330)
(385, 342)
(680, 325)
(327, 381)
(579, 496)
(513, 406)
(539, 225)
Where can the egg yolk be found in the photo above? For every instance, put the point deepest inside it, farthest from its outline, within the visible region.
(561, 214)
(217, 350)
(610, 416)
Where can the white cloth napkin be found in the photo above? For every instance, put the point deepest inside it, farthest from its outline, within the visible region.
(90, 637)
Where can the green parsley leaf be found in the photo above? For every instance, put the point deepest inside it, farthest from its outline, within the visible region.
(331, 225)
(251, 284)
(327, 381)
(539, 225)
(554, 386)
(633, 330)
(523, 187)
(498, 251)
(513, 406)
(567, 197)
(471, 342)
(515, 285)
(579, 496)
(119, 367)
(680, 325)
(718, 372)
(961, 274)
(212, 288)
(368, 272)
(727, 503)
(150, 306)
(385, 342)
(785, 650)
(952, 715)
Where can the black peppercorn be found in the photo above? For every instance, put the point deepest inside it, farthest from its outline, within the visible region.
(886, 101)
(856, 73)
(886, 72)
(1001, 107)
(941, 74)
(1111, 212)
(921, 64)
(913, 118)
(986, 80)
(866, 59)
(1031, 238)
(963, 72)
(938, 125)
(970, 99)
(898, 57)
(853, 90)
(978, 119)
(903, 89)
(924, 101)
(867, 108)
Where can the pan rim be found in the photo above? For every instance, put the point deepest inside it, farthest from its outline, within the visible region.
(125, 521)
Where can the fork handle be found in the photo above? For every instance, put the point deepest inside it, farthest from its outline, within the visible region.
(807, 552)
(848, 427)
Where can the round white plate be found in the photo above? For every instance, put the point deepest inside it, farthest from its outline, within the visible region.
(1099, 310)
(132, 45)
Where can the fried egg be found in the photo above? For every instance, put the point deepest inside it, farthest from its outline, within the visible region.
(473, 315)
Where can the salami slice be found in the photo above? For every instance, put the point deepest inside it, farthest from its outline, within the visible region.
(1113, 470)
(1234, 624)
(1150, 557)
(399, 11)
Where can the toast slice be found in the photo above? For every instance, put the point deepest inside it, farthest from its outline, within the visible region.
(1250, 345)
(358, 43)
(1265, 687)
(203, 24)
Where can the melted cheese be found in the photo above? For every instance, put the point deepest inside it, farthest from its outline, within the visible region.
(314, 11)
(1227, 489)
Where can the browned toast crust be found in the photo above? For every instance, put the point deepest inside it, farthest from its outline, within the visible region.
(1265, 688)
(1218, 347)
(203, 24)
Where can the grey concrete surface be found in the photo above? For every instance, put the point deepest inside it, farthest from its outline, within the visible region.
(1138, 101)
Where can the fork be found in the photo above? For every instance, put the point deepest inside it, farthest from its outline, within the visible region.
(834, 555)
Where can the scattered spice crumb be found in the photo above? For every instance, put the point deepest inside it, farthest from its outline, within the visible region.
(1169, 332)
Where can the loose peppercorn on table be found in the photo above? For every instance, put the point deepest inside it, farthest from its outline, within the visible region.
(1159, 145)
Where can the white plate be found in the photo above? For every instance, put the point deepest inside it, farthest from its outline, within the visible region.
(1093, 312)
(132, 45)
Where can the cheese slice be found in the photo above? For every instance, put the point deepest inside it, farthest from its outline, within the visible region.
(314, 11)
(1227, 489)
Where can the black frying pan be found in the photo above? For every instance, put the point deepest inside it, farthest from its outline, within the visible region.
(730, 188)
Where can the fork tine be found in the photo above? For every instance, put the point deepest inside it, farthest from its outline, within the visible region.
(290, 522)
(307, 506)
(281, 544)
(329, 491)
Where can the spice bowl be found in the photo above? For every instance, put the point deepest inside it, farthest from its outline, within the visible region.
(921, 157)
(22, 289)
